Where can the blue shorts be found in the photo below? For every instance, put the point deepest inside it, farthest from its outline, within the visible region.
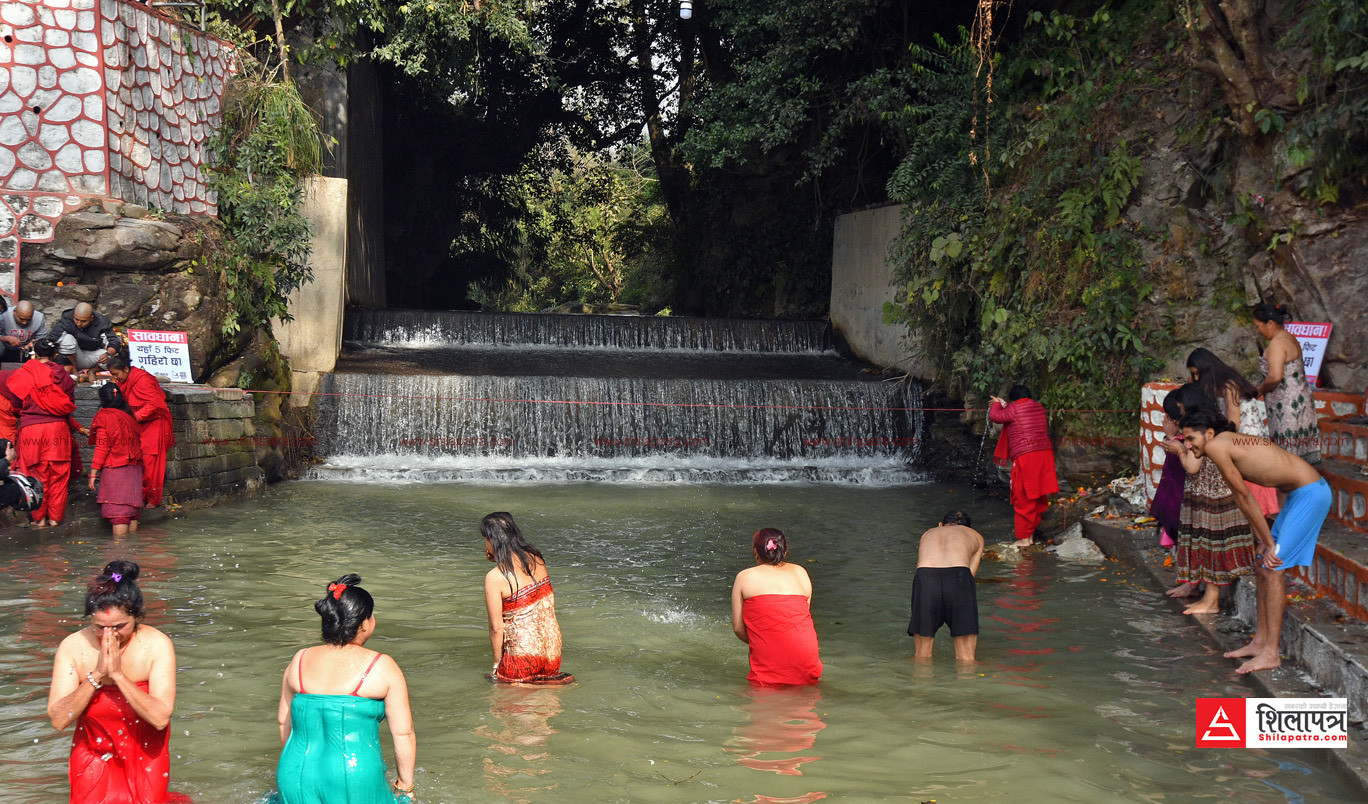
(1299, 523)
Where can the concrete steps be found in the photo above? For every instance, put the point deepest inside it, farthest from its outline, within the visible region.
(1340, 571)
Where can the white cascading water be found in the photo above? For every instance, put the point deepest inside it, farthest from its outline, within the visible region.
(391, 412)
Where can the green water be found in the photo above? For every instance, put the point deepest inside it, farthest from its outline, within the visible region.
(1084, 691)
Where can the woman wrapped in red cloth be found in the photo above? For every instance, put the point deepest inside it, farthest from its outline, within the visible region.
(48, 398)
(523, 631)
(147, 401)
(116, 680)
(9, 410)
(770, 612)
(118, 453)
(1027, 437)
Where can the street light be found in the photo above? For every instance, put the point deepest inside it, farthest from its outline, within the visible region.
(685, 9)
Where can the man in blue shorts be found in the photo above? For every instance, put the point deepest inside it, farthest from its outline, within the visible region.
(1292, 540)
(943, 589)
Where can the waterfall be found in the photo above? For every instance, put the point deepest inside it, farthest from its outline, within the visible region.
(508, 397)
(612, 332)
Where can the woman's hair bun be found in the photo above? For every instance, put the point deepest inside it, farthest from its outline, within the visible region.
(126, 570)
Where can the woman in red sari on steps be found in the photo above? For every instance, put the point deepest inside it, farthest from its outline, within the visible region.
(523, 631)
(770, 603)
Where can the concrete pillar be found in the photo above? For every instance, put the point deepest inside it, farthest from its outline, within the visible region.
(312, 340)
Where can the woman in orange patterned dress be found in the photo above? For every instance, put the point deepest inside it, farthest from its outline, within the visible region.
(523, 632)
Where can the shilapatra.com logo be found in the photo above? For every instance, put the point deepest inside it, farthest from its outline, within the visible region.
(1272, 722)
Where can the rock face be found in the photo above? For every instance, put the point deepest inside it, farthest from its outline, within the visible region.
(141, 272)
(150, 274)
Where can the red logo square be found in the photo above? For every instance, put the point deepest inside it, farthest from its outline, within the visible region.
(1220, 722)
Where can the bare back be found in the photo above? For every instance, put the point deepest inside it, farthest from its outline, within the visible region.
(1282, 348)
(332, 670)
(1260, 461)
(768, 579)
(950, 546)
(508, 583)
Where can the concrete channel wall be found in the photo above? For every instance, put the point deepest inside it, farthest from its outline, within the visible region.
(214, 456)
(861, 282)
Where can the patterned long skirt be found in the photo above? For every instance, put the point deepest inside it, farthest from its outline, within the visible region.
(1215, 542)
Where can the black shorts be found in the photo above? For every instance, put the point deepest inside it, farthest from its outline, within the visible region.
(940, 596)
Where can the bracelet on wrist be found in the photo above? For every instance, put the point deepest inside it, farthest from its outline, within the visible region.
(399, 789)
(91, 678)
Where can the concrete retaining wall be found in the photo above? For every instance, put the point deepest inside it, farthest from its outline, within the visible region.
(861, 281)
(215, 452)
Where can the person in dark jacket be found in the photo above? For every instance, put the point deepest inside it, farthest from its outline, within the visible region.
(85, 339)
(1033, 466)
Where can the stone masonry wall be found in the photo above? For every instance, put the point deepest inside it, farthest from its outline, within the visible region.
(100, 99)
(214, 455)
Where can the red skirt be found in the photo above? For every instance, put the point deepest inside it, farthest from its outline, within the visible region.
(121, 493)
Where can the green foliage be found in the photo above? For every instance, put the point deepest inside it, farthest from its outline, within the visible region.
(268, 141)
(1329, 138)
(1017, 259)
(595, 232)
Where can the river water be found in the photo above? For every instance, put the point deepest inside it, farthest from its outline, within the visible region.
(1084, 690)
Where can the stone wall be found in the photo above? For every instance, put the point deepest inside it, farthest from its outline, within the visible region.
(100, 99)
(164, 81)
(214, 456)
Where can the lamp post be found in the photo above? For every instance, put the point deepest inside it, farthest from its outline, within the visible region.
(685, 9)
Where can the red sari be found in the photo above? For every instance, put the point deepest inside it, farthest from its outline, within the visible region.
(148, 402)
(116, 758)
(118, 452)
(532, 637)
(783, 640)
(45, 447)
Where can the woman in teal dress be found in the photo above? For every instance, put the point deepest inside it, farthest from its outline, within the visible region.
(332, 700)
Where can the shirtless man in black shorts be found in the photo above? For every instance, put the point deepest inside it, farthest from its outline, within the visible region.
(943, 588)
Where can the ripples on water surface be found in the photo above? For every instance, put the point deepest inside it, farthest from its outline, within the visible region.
(1084, 692)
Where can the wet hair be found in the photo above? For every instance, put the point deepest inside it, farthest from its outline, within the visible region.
(1019, 392)
(1214, 375)
(1187, 398)
(343, 609)
(45, 347)
(1203, 420)
(955, 518)
(116, 587)
(112, 397)
(116, 363)
(770, 555)
(507, 542)
(1277, 313)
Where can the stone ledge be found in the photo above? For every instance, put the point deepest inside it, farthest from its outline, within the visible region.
(1335, 666)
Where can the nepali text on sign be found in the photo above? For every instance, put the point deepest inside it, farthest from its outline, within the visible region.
(1312, 337)
(162, 353)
